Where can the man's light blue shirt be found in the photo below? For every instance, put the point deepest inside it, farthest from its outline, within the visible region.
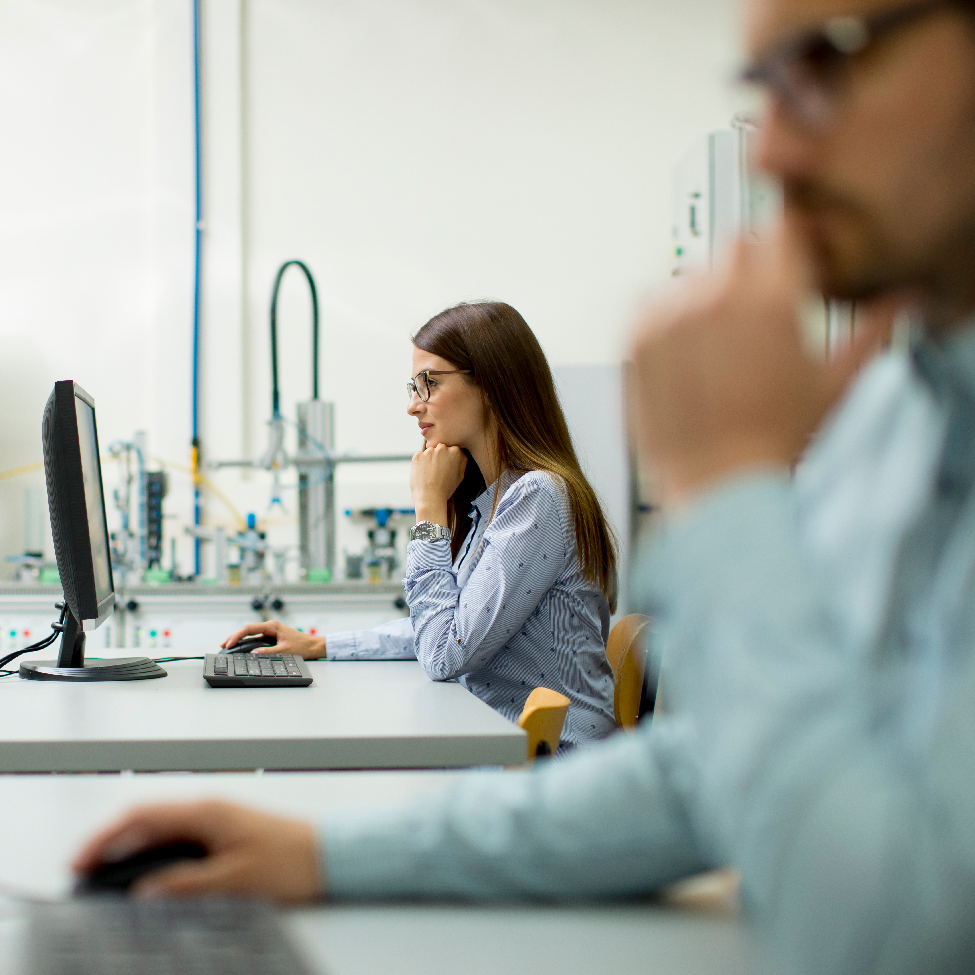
(818, 638)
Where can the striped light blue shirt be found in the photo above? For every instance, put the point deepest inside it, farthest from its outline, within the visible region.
(512, 613)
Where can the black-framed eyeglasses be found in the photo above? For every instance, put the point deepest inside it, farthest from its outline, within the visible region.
(806, 71)
(421, 384)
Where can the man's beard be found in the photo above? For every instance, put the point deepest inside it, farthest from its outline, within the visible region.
(852, 261)
(855, 259)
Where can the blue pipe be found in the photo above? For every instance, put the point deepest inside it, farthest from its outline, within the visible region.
(196, 285)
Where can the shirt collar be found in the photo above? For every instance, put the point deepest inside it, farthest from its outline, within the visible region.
(484, 502)
(948, 362)
(959, 349)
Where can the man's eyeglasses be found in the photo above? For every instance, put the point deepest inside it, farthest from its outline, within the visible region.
(806, 71)
(420, 384)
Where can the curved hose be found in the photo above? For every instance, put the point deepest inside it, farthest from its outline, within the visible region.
(275, 394)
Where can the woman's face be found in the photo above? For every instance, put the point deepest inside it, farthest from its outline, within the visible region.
(455, 415)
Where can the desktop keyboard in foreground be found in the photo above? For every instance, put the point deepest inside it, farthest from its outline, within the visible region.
(110, 934)
(255, 670)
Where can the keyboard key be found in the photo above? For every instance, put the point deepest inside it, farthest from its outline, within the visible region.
(129, 937)
(256, 670)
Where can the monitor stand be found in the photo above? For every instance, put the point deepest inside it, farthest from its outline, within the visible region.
(71, 664)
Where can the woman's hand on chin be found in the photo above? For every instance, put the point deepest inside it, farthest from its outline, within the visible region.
(434, 476)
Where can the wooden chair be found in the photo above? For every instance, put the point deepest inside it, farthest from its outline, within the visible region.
(542, 717)
(627, 654)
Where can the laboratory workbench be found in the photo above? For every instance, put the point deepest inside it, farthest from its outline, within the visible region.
(372, 939)
(356, 714)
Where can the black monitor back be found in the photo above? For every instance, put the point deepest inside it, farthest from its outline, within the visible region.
(74, 491)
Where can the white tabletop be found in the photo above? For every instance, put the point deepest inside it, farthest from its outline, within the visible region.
(356, 714)
(51, 815)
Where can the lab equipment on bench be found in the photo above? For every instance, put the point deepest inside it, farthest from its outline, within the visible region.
(81, 544)
(380, 556)
(315, 459)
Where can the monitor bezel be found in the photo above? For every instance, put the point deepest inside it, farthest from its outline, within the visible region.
(69, 482)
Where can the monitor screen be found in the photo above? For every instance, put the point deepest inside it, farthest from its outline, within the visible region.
(94, 503)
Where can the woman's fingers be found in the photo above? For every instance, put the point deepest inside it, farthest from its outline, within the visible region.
(290, 640)
(267, 628)
(436, 472)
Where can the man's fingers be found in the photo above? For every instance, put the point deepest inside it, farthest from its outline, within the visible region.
(220, 874)
(151, 826)
(110, 844)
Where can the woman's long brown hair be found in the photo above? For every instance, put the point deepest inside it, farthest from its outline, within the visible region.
(506, 362)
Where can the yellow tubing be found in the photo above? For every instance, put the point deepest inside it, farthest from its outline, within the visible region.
(17, 471)
(196, 475)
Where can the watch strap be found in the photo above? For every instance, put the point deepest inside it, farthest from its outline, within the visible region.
(427, 531)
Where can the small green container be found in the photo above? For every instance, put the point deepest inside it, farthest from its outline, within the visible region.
(156, 576)
(49, 576)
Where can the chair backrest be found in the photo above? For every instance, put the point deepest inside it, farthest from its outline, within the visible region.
(542, 717)
(627, 655)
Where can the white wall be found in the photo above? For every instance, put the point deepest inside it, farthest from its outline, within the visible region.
(413, 152)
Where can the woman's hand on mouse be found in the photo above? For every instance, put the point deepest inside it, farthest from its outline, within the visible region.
(249, 853)
(288, 639)
(434, 476)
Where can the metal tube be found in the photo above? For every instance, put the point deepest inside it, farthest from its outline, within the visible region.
(316, 485)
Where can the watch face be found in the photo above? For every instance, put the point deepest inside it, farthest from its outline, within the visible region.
(426, 531)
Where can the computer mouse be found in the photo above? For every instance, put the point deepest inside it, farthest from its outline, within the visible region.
(256, 642)
(117, 877)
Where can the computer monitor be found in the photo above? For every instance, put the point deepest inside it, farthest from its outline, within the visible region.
(73, 470)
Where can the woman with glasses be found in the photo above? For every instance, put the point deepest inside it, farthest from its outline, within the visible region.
(511, 567)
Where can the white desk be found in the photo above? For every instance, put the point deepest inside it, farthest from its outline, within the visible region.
(357, 714)
(51, 815)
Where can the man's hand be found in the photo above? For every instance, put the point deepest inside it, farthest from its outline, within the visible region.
(288, 640)
(434, 476)
(249, 854)
(722, 380)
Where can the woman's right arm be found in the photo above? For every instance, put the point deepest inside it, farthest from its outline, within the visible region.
(388, 641)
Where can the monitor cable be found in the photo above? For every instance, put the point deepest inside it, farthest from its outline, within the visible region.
(56, 629)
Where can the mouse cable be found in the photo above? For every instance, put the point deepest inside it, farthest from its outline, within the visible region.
(56, 628)
(170, 660)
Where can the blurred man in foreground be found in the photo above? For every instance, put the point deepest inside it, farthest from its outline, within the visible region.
(819, 630)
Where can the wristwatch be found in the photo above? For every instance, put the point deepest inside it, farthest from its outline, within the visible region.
(427, 531)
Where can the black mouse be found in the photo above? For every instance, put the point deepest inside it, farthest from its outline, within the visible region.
(256, 642)
(117, 877)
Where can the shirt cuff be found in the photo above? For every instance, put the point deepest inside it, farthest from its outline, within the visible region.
(422, 556)
(340, 646)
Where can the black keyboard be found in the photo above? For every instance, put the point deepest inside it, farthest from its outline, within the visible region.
(255, 670)
(111, 934)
